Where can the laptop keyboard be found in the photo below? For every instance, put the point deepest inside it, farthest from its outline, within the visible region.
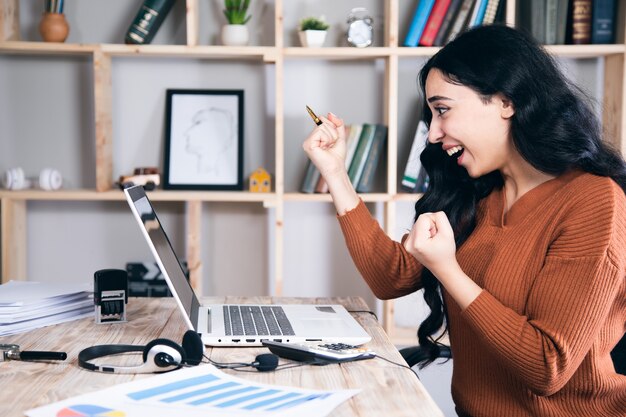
(249, 320)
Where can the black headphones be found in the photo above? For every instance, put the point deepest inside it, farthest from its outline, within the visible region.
(160, 355)
(263, 363)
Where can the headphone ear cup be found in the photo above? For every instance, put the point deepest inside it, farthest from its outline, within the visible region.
(165, 342)
(193, 347)
(14, 179)
(50, 179)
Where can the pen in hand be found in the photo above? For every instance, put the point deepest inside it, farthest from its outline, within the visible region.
(313, 116)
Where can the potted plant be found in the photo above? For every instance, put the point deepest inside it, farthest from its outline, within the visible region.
(312, 31)
(235, 33)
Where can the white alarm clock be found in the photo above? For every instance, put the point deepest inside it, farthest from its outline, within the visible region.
(360, 30)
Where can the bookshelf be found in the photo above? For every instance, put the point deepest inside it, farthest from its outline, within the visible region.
(275, 52)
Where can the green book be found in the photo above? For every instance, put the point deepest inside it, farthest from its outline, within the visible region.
(366, 181)
(311, 176)
(360, 155)
(147, 22)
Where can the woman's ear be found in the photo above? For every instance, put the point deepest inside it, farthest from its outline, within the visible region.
(507, 110)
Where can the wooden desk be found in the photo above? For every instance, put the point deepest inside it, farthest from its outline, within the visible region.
(387, 390)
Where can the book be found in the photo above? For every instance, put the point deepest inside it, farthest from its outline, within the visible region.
(311, 176)
(478, 13)
(448, 20)
(551, 21)
(419, 22)
(366, 182)
(581, 21)
(413, 163)
(352, 142)
(434, 22)
(422, 182)
(460, 22)
(603, 23)
(147, 21)
(561, 21)
(360, 154)
(491, 12)
(538, 20)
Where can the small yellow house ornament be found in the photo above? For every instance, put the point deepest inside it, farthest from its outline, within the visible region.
(260, 181)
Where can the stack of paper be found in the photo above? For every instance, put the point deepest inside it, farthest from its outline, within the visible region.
(28, 305)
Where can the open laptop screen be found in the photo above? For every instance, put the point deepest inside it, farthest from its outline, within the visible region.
(163, 251)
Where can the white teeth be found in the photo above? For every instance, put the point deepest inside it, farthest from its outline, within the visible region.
(454, 150)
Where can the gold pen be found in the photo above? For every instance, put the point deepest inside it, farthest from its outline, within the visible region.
(313, 116)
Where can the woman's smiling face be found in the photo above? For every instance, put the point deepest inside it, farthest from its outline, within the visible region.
(470, 127)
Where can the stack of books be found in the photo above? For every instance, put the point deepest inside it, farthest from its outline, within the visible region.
(436, 22)
(28, 305)
(558, 22)
(365, 144)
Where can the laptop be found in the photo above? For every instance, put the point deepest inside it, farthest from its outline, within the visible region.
(244, 324)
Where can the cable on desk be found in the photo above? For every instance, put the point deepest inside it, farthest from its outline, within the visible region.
(398, 364)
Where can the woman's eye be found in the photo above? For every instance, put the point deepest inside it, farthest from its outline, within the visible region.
(441, 110)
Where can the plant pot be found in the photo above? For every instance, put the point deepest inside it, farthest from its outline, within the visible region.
(312, 38)
(235, 35)
(53, 27)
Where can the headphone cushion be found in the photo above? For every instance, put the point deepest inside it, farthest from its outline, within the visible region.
(165, 342)
(193, 347)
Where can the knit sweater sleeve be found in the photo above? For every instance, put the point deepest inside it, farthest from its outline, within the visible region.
(389, 270)
(570, 299)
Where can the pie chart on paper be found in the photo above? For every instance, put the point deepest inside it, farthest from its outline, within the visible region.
(88, 410)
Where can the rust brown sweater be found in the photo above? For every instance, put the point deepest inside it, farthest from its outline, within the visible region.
(537, 340)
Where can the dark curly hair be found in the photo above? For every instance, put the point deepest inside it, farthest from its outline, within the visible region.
(554, 129)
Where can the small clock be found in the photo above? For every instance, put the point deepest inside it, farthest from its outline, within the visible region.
(360, 31)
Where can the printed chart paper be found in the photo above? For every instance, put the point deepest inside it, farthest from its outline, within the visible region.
(199, 391)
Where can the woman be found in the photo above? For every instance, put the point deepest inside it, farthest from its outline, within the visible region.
(520, 240)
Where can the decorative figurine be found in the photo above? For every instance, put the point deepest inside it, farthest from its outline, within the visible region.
(260, 181)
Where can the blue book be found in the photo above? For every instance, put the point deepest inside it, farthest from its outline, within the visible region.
(479, 15)
(603, 21)
(419, 22)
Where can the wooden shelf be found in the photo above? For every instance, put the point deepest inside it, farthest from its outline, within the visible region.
(45, 48)
(268, 53)
(325, 198)
(158, 195)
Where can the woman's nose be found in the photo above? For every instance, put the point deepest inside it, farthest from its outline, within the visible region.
(435, 134)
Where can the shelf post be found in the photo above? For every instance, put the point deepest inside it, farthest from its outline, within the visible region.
(103, 122)
(278, 29)
(391, 23)
(192, 22)
(194, 245)
(389, 220)
(13, 226)
(9, 20)
(613, 110)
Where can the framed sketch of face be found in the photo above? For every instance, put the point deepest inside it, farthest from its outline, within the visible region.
(204, 140)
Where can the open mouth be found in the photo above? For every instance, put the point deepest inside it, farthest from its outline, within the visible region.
(456, 151)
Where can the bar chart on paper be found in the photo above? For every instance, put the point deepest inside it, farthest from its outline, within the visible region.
(213, 391)
(198, 391)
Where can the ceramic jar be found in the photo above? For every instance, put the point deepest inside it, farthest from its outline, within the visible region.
(53, 27)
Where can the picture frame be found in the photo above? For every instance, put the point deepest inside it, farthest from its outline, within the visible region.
(203, 140)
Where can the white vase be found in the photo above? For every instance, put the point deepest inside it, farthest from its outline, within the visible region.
(312, 38)
(235, 35)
